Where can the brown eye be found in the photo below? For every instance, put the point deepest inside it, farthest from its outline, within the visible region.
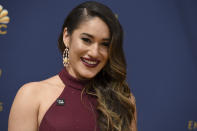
(86, 40)
(105, 44)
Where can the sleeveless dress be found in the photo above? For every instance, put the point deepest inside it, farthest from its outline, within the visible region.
(68, 112)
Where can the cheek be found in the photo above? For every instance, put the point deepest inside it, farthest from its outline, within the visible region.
(105, 57)
(76, 49)
(75, 54)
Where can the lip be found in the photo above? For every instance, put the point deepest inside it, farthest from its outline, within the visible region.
(90, 65)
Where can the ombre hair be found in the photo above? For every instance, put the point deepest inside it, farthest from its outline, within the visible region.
(115, 109)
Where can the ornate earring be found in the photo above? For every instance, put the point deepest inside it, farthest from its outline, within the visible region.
(66, 57)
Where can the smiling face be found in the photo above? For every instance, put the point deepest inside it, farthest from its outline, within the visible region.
(88, 48)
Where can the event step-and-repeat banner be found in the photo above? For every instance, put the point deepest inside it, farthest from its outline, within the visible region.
(160, 45)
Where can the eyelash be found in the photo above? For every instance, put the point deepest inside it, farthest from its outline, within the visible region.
(105, 44)
(86, 40)
(89, 41)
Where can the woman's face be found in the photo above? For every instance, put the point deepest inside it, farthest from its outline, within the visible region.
(88, 48)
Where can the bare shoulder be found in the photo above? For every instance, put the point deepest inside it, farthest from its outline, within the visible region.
(29, 89)
(24, 109)
(28, 93)
(26, 104)
(34, 89)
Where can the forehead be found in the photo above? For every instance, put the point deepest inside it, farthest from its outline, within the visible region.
(95, 27)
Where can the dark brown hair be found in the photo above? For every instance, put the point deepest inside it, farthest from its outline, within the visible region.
(115, 110)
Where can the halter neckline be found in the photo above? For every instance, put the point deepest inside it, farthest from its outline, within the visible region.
(71, 81)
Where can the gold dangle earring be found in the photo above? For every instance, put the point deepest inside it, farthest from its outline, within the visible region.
(66, 57)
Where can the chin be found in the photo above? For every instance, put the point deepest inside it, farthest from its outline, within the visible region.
(88, 75)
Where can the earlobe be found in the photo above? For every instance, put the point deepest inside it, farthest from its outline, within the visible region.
(66, 37)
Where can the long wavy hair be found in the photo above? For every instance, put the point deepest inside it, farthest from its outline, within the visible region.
(115, 109)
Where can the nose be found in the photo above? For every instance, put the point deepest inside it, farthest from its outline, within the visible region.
(94, 50)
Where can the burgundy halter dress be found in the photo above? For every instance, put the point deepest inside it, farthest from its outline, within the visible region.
(68, 112)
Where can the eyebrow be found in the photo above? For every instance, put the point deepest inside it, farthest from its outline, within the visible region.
(91, 36)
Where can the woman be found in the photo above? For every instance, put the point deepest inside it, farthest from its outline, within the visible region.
(90, 92)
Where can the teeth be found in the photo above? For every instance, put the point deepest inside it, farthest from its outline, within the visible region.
(90, 62)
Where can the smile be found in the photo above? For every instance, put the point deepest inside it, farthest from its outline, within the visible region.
(90, 62)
